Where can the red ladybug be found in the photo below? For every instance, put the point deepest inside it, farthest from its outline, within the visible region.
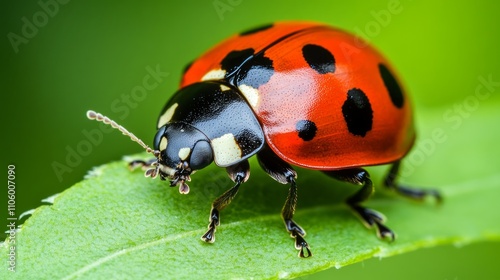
(292, 93)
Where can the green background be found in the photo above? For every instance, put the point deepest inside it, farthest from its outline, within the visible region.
(90, 54)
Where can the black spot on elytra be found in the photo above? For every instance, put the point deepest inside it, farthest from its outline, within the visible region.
(306, 129)
(234, 59)
(256, 72)
(245, 67)
(257, 29)
(392, 86)
(357, 112)
(319, 58)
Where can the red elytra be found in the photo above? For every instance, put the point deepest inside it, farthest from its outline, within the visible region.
(296, 91)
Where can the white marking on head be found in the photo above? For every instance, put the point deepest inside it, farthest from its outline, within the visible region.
(217, 74)
(226, 150)
(163, 143)
(167, 116)
(251, 94)
(184, 153)
(224, 88)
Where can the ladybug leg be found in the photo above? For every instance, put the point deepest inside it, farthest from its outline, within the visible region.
(239, 173)
(417, 194)
(368, 216)
(141, 163)
(283, 173)
(295, 230)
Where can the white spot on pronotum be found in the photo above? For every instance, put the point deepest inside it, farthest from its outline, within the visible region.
(251, 94)
(224, 88)
(218, 74)
(184, 153)
(163, 143)
(226, 150)
(167, 116)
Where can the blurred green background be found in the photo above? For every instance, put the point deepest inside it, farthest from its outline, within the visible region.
(60, 59)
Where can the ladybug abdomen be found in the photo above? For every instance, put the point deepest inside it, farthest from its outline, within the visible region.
(324, 98)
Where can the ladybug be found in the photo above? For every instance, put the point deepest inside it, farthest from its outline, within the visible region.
(293, 94)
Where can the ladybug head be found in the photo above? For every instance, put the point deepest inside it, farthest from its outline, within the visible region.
(182, 150)
(179, 148)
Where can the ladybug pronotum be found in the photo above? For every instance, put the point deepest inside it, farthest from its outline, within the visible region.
(291, 93)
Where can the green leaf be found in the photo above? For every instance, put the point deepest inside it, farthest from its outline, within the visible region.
(119, 224)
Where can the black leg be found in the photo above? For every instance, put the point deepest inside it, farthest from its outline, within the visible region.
(152, 170)
(417, 194)
(239, 173)
(368, 216)
(284, 173)
(141, 163)
(295, 230)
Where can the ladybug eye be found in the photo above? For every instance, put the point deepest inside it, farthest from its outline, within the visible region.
(201, 155)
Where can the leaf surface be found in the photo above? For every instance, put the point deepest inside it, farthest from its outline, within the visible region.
(119, 224)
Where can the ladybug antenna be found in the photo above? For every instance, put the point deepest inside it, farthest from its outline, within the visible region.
(92, 115)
